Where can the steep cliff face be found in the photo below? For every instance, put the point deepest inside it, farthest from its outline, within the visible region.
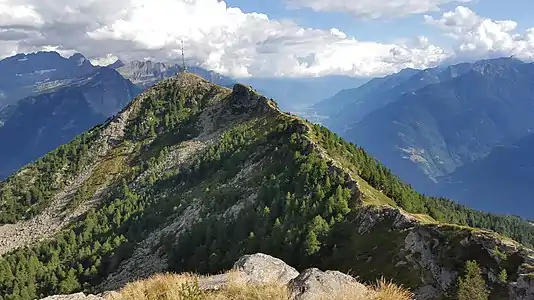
(190, 176)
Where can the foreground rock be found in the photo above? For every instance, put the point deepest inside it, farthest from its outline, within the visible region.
(252, 269)
(78, 296)
(261, 269)
(313, 284)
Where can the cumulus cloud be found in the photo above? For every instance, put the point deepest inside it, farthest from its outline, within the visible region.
(216, 36)
(479, 37)
(373, 9)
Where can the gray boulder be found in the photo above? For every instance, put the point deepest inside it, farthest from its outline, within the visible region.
(263, 269)
(255, 269)
(314, 284)
(78, 296)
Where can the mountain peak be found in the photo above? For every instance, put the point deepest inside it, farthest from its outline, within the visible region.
(117, 64)
(77, 56)
(496, 66)
(189, 79)
(246, 97)
(79, 60)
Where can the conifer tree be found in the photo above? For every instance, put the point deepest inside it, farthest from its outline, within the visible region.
(472, 286)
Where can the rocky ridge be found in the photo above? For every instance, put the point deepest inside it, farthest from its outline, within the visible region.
(410, 249)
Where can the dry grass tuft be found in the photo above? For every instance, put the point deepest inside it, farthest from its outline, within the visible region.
(251, 292)
(159, 287)
(386, 290)
(185, 287)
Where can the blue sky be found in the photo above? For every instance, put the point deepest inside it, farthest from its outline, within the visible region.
(386, 29)
(274, 38)
(375, 30)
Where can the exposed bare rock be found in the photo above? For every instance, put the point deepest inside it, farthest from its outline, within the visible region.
(45, 225)
(78, 296)
(313, 284)
(523, 288)
(256, 269)
(144, 260)
(261, 269)
(244, 97)
(370, 216)
(421, 247)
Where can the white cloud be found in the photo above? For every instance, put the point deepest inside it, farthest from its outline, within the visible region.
(479, 37)
(18, 15)
(373, 9)
(216, 36)
(104, 61)
(232, 42)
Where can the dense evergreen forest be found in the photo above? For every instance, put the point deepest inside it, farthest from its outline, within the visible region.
(302, 212)
(441, 209)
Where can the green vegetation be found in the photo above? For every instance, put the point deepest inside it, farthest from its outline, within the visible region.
(442, 210)
(27, 193)
(472, 286)
(298, 202)
(262, 186)
(75, 259)
(503, 276)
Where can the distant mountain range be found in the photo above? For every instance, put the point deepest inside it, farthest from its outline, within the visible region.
(37, 124)
(435, 126)
(297, 94)
(292, 94)
(147, 73)
(352, 105)
(501, 181)
(46, 99)
(24, 75)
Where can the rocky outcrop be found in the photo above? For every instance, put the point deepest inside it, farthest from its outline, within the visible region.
(254, 269)
(371, 216)
(244, 97)
(78, 296)
(523, 288)
(261, 269)
(435, 254)
(313, 284)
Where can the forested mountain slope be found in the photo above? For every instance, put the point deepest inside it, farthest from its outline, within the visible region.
(505, 174)
(438, 128)
(191, 175)
(38, 124)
